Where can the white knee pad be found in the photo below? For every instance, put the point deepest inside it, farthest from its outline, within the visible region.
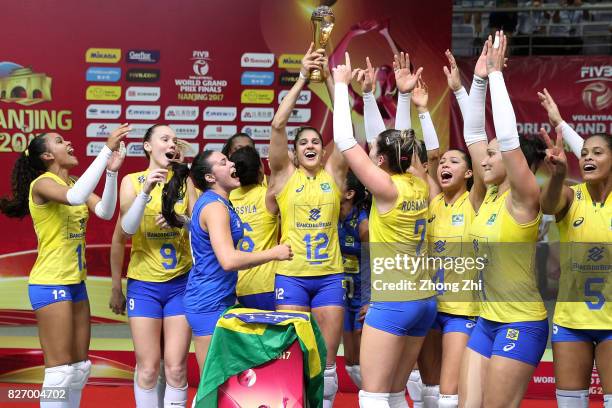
(330, 386)
(175, 397)
(448, 401)
(373, 399)
(58, 377)
(415, 388)
(355, 374)
(398, 400)
(82, 369)
(572, 399)
(431, 393)
(608, 401)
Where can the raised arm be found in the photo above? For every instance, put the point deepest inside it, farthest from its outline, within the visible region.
(278, 153)
(104, 207)
(474, 132)
(555, 197)
(373, 178)
(573, 139)
(405, 81)
(454, 83)
(47, 189)
(419, 98)
(524, 202)
(132, 206)
(216, 220)
(373, 121)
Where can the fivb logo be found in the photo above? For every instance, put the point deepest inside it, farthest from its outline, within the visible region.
(303, 99)
(596, 95)
(182, 113)
(219, 131)
(100, 129)
(220, 113)
(185, 131)
(200, 62)
(257, 60)
(300, 115)
(103, 111)
(143, 93)
(143, 112)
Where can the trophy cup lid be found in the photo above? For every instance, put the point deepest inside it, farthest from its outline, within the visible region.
(322, 12)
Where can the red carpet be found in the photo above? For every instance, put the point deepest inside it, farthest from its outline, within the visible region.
(105, 396)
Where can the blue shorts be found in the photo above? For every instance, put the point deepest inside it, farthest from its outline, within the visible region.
(44, 295)
(203, 323)
(262, 301)
(310, 291)
(561, 333)
(449, 323)
(156, 299)
(412, 318)
(351, 315)
(522, 341)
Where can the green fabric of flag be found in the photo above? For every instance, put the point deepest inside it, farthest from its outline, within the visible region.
(246, 338)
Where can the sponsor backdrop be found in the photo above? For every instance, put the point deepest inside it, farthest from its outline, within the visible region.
(208, 69)
(580, 86)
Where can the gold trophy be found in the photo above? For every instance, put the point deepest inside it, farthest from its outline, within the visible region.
(322, 25)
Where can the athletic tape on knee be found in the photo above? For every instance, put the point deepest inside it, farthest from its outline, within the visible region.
(431, 393)
(448, 401)
(398, 400)
(572, 399)
(373, 399)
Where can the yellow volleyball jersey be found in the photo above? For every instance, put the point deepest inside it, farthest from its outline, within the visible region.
(309, 211)
(448, 236)
(509, 289)
(158, 254)
(585, 289)
(260, 233)
(400, 232)
(60, 230)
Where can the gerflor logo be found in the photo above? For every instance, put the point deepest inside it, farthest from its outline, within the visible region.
(595, 254)
(315, 214)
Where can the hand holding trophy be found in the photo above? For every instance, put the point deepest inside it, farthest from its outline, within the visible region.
(322, 25)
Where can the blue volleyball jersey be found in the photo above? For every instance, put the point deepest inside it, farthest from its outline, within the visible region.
(350, 246)
(210, 287)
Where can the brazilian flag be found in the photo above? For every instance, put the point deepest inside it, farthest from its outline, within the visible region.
(246, 338)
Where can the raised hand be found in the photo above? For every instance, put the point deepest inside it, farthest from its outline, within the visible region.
(452, 74)
(311, 60)
(496, 53)
(343, 73)
(367, 77)
(549, 104)
(154, 177)
(420, 96)
(117, 136)
(555, 159)
(404, 79)
(480, 70)
(117, 157)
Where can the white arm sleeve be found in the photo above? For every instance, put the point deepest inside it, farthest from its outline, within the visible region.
(474, 117)
(105, 208)
(131, 220)
(429, 132)
(85, 185)
(462, 99)
(403, 121)
(573, 139)
(503, 114)
(343, 127)
(373, 121)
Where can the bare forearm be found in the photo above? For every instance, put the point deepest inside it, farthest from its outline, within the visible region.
(552, 199)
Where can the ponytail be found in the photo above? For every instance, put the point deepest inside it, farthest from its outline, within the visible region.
(397, 146)
(27, 168)
(175, 189)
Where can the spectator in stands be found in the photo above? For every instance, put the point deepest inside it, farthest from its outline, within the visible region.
(569, 17)
(533, 22)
